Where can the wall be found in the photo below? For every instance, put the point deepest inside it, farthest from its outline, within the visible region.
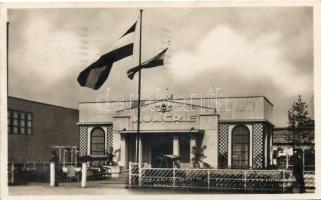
(228, 108)
(185, 114)
(91, 112)
(52, 125)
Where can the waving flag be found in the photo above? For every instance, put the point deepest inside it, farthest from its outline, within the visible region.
(153, 62)
(97, 73)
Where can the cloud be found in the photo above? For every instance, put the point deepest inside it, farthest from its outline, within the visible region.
(48, 58)
(242, 51)
(223, 49)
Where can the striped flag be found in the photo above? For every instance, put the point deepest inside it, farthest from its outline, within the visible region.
(97, 73)
(153, 62)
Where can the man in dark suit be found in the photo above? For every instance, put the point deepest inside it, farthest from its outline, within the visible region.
(298, 170)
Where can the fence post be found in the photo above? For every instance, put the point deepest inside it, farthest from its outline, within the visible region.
(84, 174)
(52, 174)
(208, 179)
(245, 180)
(34, 165)
(174, 177)
(130, 175)
(139, 175)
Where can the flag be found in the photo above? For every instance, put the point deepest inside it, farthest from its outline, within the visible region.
(153, 62)
(97, 73)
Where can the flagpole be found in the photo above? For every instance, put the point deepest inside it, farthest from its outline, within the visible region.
(139, 146)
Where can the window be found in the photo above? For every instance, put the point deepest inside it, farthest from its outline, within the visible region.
(240, 147)
(97, 142)
(19, 122)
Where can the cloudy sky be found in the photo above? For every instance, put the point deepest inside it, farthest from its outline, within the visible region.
(243, 51)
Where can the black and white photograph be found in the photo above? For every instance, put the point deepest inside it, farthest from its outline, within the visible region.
(149, 98)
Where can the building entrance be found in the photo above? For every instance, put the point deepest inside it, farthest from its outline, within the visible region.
(162, 145)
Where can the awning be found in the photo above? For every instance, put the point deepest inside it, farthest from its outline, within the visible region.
(194, 131)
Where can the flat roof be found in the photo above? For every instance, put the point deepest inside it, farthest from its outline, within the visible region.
(188, 98)
(37, 102)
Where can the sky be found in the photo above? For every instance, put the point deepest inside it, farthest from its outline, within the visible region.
(257, 51)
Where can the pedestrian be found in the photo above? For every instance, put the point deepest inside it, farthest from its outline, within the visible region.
(55, 159)
(298, 170)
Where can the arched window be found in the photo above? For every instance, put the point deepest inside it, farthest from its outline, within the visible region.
(97, 142)
(240, 147)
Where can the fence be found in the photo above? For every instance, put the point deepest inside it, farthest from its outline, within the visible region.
(211, 179)
(30, 171)
(309, 179)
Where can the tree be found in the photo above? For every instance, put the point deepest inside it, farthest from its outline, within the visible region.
(298, 117)
(199, 155)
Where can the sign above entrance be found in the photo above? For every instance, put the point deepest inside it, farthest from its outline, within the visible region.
(167, 117)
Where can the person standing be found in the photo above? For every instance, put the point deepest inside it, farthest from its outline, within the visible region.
(298, 170)
(55, 159)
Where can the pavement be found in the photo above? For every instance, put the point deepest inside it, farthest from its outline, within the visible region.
(101, 187)
(109, 186)
(70, 188)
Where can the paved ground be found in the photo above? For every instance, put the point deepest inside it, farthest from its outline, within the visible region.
(73, 188)
(111, 186)
(93, 188)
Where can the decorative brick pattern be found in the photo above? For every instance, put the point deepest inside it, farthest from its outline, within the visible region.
(109, 138)
(83, 132)
(223, 145)
(257, 146)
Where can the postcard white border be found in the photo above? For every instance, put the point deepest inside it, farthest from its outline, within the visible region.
(141, 4)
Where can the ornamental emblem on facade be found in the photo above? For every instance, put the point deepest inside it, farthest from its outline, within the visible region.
(164, 108)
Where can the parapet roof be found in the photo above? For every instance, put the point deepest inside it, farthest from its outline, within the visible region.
(196, 98)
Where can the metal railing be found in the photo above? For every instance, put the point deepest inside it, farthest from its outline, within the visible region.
(309, 179)
(211, 179)
(30, 171)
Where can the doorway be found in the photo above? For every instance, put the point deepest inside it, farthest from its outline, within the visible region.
(162, 145)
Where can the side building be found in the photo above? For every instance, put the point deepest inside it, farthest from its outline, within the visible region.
(35, 129)
(285, 139)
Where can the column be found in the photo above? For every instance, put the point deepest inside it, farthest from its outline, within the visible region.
(270, 147)
(176, 145)
(140, 153)
(209, 123)
(123, 149)
(192, 144)
(229, 151)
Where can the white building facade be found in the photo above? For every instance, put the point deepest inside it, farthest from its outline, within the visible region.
(236, 131)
